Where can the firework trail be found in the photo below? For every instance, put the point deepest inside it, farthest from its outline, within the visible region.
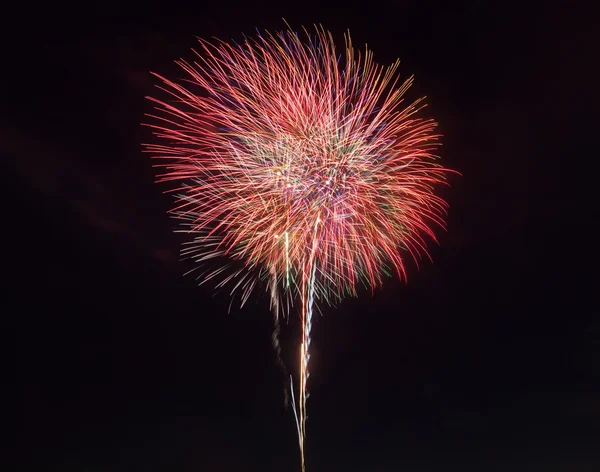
(306, 170)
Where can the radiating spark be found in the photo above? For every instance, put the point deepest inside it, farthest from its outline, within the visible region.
(287, 261)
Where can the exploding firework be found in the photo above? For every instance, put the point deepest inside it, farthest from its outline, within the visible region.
(307, 169)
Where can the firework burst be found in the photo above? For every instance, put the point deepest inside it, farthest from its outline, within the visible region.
(309, 169)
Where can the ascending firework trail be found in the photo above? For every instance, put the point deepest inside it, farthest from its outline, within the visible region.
(307, 168)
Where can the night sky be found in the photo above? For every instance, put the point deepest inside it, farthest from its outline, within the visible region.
(487, 360)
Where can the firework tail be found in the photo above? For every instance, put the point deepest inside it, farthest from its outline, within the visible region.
(308, 296)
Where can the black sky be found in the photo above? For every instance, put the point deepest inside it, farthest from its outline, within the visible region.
(488, 359)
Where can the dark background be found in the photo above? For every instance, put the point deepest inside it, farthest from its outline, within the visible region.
(487, 360)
